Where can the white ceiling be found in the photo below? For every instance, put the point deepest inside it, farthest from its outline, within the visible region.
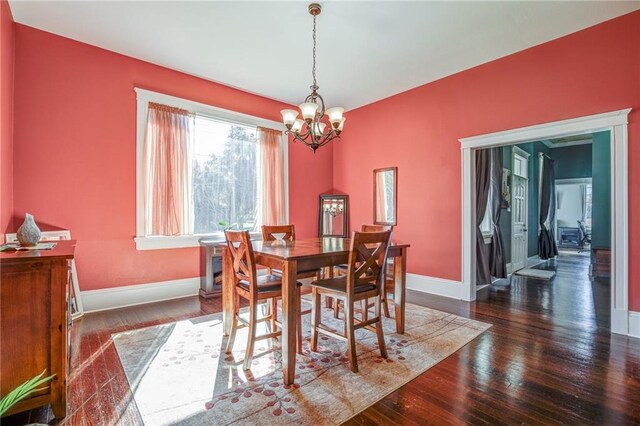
(366, 50)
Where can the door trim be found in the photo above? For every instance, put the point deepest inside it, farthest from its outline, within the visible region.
(616, 122)
(522, 153)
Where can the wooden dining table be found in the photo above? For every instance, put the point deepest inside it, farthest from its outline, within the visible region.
(305, 255)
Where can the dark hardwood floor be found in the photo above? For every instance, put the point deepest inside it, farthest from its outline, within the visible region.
(548, 359)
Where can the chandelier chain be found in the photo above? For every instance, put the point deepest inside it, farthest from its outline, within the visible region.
(313, 71)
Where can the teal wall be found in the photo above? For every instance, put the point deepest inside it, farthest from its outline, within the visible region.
(601, 184)
(579, 161)
(572, 162)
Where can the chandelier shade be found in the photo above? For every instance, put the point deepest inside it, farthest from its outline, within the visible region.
(310, 129)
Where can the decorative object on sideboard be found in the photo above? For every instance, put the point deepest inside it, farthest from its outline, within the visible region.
(28, 234)
(313, 111)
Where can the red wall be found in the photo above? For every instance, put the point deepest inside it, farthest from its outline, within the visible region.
(7, 28)
(75, 153)
(592, 71)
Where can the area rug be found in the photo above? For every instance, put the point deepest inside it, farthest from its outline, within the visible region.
(179, 373)
(536, 273)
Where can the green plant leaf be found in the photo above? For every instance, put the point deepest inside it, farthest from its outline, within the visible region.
(23, 391)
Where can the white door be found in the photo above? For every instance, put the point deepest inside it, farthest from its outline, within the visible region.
(519, 225)
(519, 209)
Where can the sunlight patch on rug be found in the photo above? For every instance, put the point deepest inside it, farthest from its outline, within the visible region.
(179, 373)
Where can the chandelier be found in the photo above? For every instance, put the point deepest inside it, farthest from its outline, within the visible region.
(310, 130)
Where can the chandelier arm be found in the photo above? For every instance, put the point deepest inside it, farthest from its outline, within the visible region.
(321, 104)
(326, 139)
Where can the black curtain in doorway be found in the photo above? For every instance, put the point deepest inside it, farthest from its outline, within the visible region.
(497, 261)
(547, 247)
(483, 184)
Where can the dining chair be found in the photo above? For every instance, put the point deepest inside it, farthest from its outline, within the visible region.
(363, 280)
(389, 282)
(288, 233)
(253, 288)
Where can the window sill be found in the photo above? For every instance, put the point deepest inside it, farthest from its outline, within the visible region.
(182, 241)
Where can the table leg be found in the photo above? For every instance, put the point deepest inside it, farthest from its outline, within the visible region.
(227, 291)
(290, 294)
(400, 277)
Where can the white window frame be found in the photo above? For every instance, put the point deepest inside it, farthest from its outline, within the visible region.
(143, 98)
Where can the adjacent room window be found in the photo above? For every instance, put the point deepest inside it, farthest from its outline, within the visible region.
(588, 197)
(486, 227)
(202, 170)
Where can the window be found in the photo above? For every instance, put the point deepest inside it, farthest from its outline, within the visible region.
(588, 197)
(486, 227)
(224, 176)
(218, 156)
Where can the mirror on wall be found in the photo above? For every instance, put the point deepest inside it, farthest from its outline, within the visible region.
(334, 212)
(385, 196)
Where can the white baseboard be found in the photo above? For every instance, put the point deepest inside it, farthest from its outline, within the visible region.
(439, 286)
(634, 324)
(119, 297)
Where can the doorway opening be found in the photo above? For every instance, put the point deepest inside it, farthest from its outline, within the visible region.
(614, 124)
(566, 271)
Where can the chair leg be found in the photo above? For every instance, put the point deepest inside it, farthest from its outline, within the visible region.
(351, 335)
(248, 355)
(385, 306)
(315, 319)
(274, 313)
(336, 308)
(379, 332)
(234, 327)
(299, 325)
(328, 302)
(364, 307)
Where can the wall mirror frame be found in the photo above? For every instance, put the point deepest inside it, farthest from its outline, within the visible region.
(333, 216)
(385, 196)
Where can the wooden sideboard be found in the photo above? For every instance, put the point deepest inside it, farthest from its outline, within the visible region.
(35, 321)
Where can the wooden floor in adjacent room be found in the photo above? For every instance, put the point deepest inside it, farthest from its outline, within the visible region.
(549, 358)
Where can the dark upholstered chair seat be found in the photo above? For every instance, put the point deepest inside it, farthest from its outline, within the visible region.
(339, 284)
(265, 283)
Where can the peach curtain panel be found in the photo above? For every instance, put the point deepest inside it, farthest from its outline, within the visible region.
(381, 198)
(167, 170)
(271, 184)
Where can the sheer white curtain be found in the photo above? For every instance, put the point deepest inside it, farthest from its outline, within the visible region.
(271, 198)
(167, 170)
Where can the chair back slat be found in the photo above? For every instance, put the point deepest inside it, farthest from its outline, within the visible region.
(269, 231)
(244, 263)
(376, 228)
(367, 256)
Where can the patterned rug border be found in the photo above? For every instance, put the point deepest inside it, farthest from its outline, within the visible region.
(483, 327)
